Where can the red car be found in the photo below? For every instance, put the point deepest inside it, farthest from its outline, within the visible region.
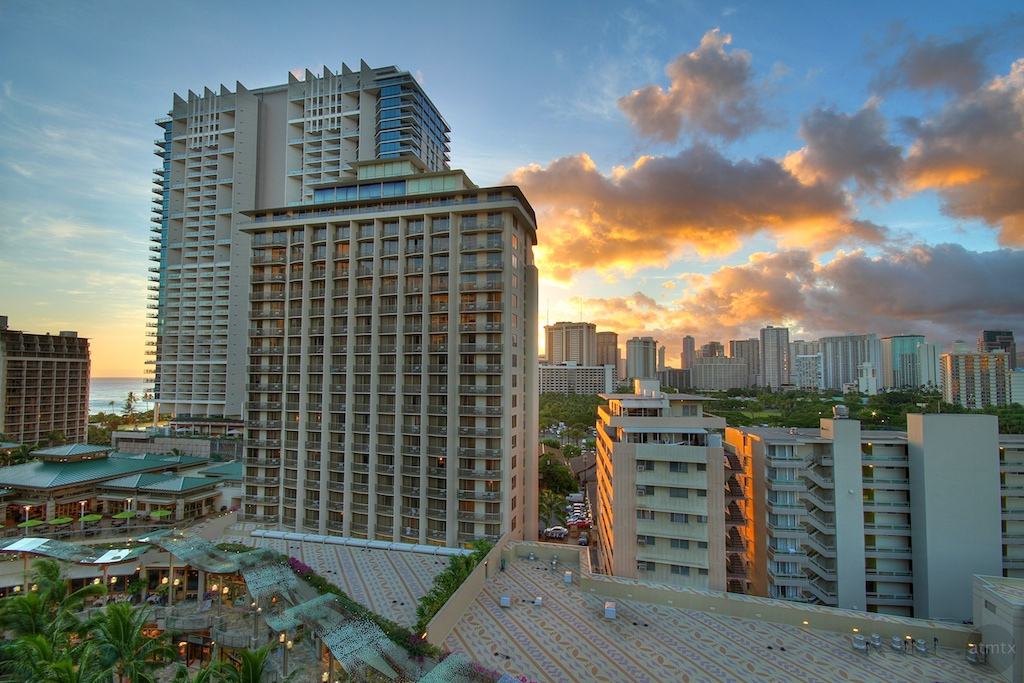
(580, 524)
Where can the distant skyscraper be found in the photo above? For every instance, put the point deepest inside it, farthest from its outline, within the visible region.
(976, 380)
(642, 358)
(842, 356)
(990, 340)
(807, 372)
(571, 342)
(689, 352)
(661, 358)
(801, 347)
(718, 373)
(607, 348)
(44, 385)
(774, 356)
(712, 349)
(928, 365)
(749, 350)
(899, 361)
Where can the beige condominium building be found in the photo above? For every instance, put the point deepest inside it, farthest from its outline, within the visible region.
(44, 385)
(882, 521)
(224, 152)
(392, 374)
(661, 502)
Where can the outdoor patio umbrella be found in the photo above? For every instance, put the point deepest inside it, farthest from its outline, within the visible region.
(127, 514)
(61, 520)
(30, 523)
(160, 513)
(91, 518)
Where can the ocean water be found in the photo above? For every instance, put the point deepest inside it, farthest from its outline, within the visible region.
(103, 390)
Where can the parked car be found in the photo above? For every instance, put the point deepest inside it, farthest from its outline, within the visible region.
(581, 524)
(584, 539)
(556, 532)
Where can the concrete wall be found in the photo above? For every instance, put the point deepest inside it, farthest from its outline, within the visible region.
(955, 508)
(453, 610)
(849, 502)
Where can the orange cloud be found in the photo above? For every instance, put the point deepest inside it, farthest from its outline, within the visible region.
(972, 153)
(697, 202)
(942, 291)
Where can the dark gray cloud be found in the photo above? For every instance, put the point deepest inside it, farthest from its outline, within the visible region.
(937, 63)
(944, 292)
(842, 146)
(972, 154)
(711, 92)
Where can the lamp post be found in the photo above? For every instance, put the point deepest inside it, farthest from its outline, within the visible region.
(256, 612)
(81, 513)
(27, 508)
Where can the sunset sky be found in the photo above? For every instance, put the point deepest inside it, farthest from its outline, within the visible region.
(699, 168)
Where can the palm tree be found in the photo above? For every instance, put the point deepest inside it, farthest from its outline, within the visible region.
(204, 675)
(550, 505)
(123, 649)
(251, 665)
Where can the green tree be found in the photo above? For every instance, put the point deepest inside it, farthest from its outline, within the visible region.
(55, 438)
(128, 409)
(550, 507)
(123, 649)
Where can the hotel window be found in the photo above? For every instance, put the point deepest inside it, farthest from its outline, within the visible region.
(680, 544)
(678, 493)
(677, 467)
(680, 570)
(679, 518)
(645, 514)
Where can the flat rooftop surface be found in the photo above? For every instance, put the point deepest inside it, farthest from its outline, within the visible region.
(389, 583)
(567, 638)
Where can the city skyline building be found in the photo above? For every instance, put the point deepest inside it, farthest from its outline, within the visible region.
(392, 376)
(608, 351)
(572, 378)
(808, 372)
(641, 358)
(44, 385)
(713, 349)
(750, 351)
(719, 373)
(975, 380)
(929, 367)
(224, 153)
(775, 363)
(843, 355)
(566, 342)
(900, 361)
(990, 340)
(689, 352)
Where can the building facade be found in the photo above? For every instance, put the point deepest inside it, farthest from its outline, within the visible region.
(975, 380)
(808, 372)
(570, 378)
(689, 352)
(928, 365)
(864, 520)
(661, 489)
(44, 385)
(571, 343)
(641, 358)
(990, 340)
(392, 369)
(842, 356)
(749, 350)
(900, 361)
(719, 373)
(775, 363)
(227, 152)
